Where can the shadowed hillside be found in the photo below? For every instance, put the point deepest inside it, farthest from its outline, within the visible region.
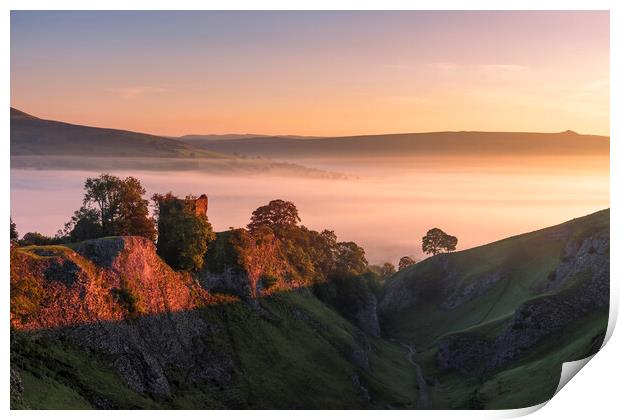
(490, 318)
(54, 145)
(35, 136)
(462, 143)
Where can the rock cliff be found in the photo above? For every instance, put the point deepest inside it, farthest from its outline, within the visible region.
(581, 283)
(115, 296)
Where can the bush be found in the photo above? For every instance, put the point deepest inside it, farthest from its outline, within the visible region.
(36, 238)
(127, 298)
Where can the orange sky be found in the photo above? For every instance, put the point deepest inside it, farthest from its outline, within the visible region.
(314, 73)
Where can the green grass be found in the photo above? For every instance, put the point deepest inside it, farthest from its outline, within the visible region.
(524, 262)
(58, 375)
(294, 352)
(528, 381)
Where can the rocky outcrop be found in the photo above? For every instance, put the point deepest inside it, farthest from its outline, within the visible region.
(230, 280)
(16, 387)
(150, 351)
(464, 293)
(116, 297)
(581, 284)
(365, 316)
(91, 283)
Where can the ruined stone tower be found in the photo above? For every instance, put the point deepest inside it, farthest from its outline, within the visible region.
(201, 205)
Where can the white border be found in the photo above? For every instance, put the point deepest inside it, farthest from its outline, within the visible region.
(592, 395)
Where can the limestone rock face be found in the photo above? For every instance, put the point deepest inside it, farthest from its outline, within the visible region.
(230, 280)
(366, 317)
(586, 264)
(81, 285)
(115, 296)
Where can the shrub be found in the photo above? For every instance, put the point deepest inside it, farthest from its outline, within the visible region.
(128, 299)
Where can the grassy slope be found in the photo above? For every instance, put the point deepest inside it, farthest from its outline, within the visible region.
(34, 136)
(281, 361)
(525, 262)
(528, 259)
(287, 360)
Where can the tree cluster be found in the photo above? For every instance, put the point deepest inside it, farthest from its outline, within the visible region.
(111, 207)
(274, 235)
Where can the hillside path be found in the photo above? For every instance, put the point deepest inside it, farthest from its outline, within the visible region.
(424, 400)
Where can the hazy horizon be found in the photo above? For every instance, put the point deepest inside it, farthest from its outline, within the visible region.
(386, 207)
(226, 135)
(321, 73)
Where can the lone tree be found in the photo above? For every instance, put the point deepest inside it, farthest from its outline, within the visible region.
(405, 262)
(437, 241)
(183, 232)
(111, 207)
(277, 215)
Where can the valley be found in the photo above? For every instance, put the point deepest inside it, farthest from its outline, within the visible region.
(192, 347)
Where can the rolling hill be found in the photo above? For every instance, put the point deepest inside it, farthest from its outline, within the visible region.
(488, 320)
(198, 139)
(462, 143)
(34, 136)
(53, 145)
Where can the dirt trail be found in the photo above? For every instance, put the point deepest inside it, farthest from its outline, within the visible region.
(424, 400)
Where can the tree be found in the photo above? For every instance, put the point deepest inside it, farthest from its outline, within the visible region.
(132, 216)
(325, 251)
(437, 241)
(84, 224)
(183, 235)
(387, 270)
(111, 207)
(277, 215)
(405, 262)
(36, 238)
(350, 260)
(257, 253)
(103, 192)
(14, 234)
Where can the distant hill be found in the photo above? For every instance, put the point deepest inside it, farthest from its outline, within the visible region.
(53, 145)
(35, 136)
(204, 139)
(439, 143)
(201, 137)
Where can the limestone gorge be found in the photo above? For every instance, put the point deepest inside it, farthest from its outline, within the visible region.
(307, 209)
(271, 319)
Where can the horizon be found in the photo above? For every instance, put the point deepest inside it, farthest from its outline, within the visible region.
(272, 72)
(310, 136)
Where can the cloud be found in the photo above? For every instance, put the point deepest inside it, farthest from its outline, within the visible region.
(504, 70)
(135, 92)
(406, 99)
(446, 66)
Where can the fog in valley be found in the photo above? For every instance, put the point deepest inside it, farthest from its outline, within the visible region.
(386, 205)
